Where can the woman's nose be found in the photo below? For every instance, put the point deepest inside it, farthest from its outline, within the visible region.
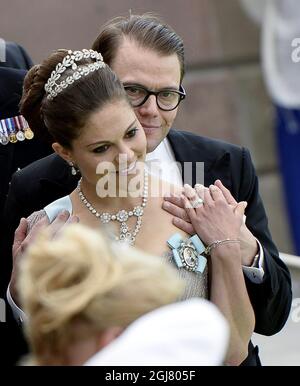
(126, 155)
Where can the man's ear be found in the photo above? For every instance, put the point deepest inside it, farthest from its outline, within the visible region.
(63, 152)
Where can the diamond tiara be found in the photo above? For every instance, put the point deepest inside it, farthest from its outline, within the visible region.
(53, 88)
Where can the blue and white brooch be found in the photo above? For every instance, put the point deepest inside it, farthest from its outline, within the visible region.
(188, 253)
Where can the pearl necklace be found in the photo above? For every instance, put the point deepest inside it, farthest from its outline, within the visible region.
(122, 216)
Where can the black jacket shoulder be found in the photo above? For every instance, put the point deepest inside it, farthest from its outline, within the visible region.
(42, 182)
(210, 147)
(16, 57)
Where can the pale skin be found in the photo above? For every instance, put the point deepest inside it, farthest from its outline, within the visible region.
(137, 65)
(81, 348)
(110, 135)
(228, 289)
(174, 205)
(105, 137)
(132, 66)
(226, 283)
(215, 220)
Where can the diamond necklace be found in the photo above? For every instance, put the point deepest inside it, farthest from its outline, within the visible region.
(122, 216)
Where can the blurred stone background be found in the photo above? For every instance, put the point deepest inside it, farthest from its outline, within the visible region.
(226, 95)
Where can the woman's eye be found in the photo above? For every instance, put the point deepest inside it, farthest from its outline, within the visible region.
(131, 133)
(101, 149)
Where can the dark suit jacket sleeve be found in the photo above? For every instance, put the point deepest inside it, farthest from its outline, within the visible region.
(31, 189)
(26, 57)
(21, 202)
(15, 208)
(272, 298)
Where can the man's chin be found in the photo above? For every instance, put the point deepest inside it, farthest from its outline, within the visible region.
(152, 144)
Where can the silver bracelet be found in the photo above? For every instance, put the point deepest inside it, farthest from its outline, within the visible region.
(217, 243)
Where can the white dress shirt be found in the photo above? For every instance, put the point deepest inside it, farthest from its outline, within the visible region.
(161, 163)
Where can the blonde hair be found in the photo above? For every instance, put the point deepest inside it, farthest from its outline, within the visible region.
(81, 278)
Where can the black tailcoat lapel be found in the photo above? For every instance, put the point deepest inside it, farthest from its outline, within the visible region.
(190, 148)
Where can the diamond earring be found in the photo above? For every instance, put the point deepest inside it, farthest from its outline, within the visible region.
(73, 170)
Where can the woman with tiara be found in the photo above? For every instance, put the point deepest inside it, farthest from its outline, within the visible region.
(79, 101)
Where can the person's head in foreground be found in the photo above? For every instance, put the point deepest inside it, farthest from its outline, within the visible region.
(81, 292)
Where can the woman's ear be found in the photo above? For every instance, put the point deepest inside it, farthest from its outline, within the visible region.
(62, 151)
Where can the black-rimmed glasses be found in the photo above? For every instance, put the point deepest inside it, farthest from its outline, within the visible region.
(166, 100)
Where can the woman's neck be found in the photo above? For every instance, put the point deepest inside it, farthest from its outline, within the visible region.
(114, 200)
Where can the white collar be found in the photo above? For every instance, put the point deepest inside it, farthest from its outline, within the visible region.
(162, 163)
(162, 152)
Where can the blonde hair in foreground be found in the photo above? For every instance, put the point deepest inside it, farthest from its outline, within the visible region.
(81, 279)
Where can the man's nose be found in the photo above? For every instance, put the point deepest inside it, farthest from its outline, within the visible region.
(149, 107)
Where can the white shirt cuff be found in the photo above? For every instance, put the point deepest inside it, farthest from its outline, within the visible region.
(19, 315)
(256, 273)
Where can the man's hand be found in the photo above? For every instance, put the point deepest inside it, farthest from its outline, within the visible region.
(175, 206)
(23, 239)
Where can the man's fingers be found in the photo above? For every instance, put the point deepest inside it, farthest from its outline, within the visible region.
(228, 196)
(37, 227)
(183, 225)
(21, 231)
(176, 211)
(195, 200)
(73, 220)
(190, 193)
(208, 200)
(200, 189)
(20, 234)
(59, 222)
(23, 239)
(188, 207)
(216, 193)
(240, 208)
(176, 200)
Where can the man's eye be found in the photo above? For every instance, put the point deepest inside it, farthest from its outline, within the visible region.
(134, 91)
(101, 149)
(167, 94)
(131, 133)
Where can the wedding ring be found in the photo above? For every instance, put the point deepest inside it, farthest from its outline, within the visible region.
(196, 203)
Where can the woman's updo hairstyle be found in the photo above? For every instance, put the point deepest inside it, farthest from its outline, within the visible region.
(61, 118)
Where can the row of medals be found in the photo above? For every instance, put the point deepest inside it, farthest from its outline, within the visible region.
(15, 137)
